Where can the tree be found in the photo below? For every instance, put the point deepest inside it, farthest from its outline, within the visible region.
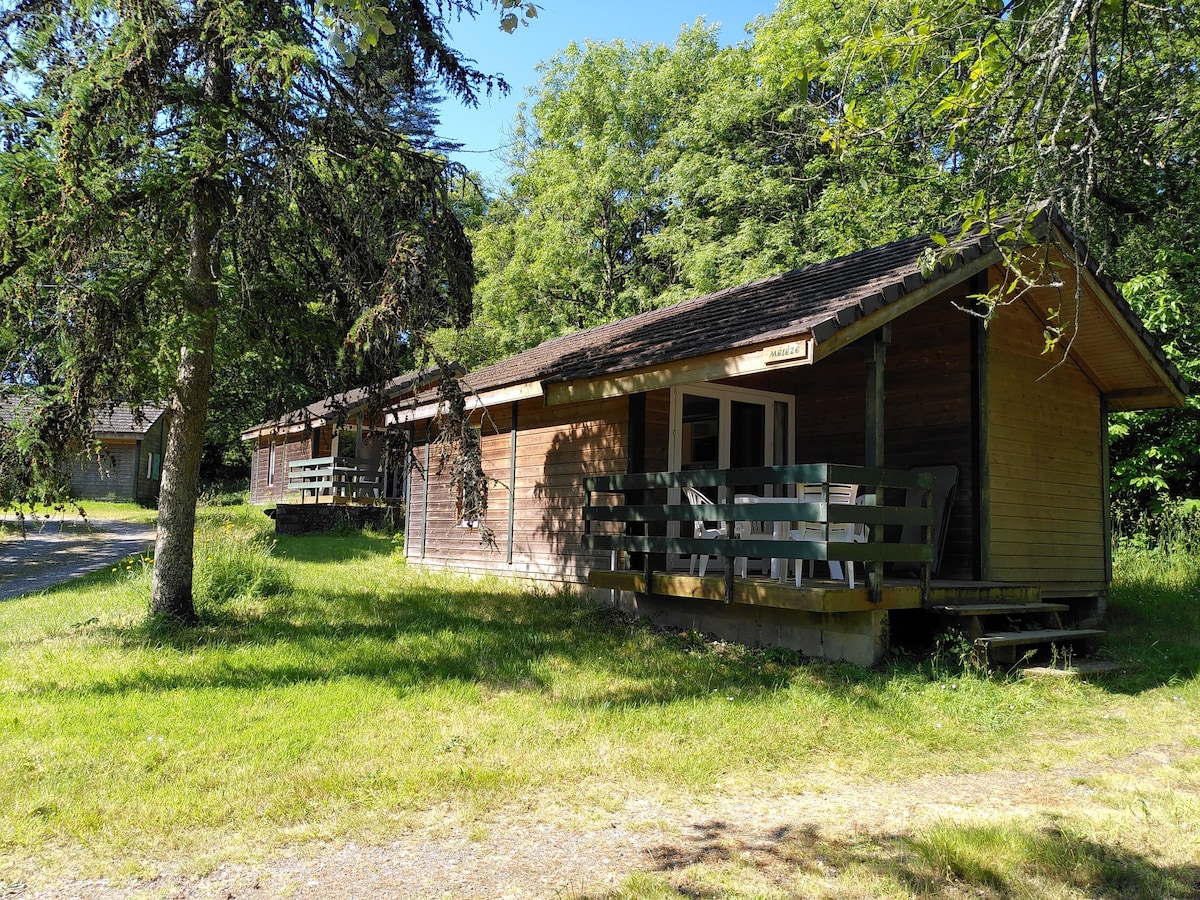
(569, 244)
(168, 164)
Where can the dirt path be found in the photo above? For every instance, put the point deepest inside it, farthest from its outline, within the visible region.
(535, 853)
(53, 551)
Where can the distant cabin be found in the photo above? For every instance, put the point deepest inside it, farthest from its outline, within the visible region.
(125, 464)
(729, 427)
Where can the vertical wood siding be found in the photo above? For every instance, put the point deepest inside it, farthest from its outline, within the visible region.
(928, 415)
(556, 448)
(112, 475)
(658, 430)
(1044, 457)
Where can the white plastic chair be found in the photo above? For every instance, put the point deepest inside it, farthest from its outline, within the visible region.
(702, 531)
(839, 532)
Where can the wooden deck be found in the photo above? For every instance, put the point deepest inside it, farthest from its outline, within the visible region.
(817, 595)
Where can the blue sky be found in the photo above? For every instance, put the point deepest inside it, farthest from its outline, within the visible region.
(559, 22)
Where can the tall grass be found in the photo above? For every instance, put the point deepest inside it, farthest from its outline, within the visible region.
(334, 692)
(1154, 604)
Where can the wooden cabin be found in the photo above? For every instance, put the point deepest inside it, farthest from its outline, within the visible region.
(128, 464)
(863, 370)
(126, 461)
(331, 451)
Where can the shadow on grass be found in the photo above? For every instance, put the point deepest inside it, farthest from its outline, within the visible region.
(321, 548)
(948, 861)
(426, 630)
(423, 634)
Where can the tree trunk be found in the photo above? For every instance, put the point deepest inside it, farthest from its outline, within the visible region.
(171, 592)
(174, 557)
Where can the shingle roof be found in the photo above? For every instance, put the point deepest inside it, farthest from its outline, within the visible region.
(124, 420)
(346, 403)
(120, 421)
(771, 308)
(822, 299)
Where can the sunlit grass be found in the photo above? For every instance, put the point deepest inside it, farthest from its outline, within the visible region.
(41, 516)
(334, 692)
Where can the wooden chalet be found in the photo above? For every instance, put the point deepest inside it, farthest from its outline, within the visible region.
(331, 451)
(126, 461)
(619, 453)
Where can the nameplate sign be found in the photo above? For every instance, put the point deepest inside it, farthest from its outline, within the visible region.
(793, 351)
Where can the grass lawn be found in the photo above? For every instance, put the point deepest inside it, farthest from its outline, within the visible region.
(49, 517)
(335, 694)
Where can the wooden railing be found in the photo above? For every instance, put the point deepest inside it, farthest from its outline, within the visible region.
(638, 513)
(335, 476)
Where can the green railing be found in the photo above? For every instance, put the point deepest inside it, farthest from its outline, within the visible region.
(335, 476)
(639, 513)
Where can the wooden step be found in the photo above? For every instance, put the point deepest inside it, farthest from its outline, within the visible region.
(999, 609)
(1063, 645)
(1037, 636)
(951, 594)
(1079, 669)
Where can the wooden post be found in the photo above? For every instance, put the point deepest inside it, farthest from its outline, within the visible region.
(982, 486)
(406, 488)
(876, 360)
(1105, 487)
(927, 539)
(512, 482)
(355, 492)
(730, 564)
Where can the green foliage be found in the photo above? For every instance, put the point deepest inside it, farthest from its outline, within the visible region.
(566, 246)
(233, 566)
(1156, 454)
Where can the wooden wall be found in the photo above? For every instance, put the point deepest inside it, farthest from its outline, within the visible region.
(114, 474)
(658, 430)
(555, 448)
(929, 417)
(288, 448)
(1045, 461)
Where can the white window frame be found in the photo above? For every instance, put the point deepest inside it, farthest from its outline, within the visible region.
(726, 394)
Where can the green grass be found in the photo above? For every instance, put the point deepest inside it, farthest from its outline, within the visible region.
(336, 693)
(94, 509)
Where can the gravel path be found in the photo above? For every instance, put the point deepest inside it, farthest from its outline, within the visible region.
(533, 853)
(54, 551)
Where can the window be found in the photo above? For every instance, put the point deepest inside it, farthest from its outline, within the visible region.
(271, 464)
(154, 466)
